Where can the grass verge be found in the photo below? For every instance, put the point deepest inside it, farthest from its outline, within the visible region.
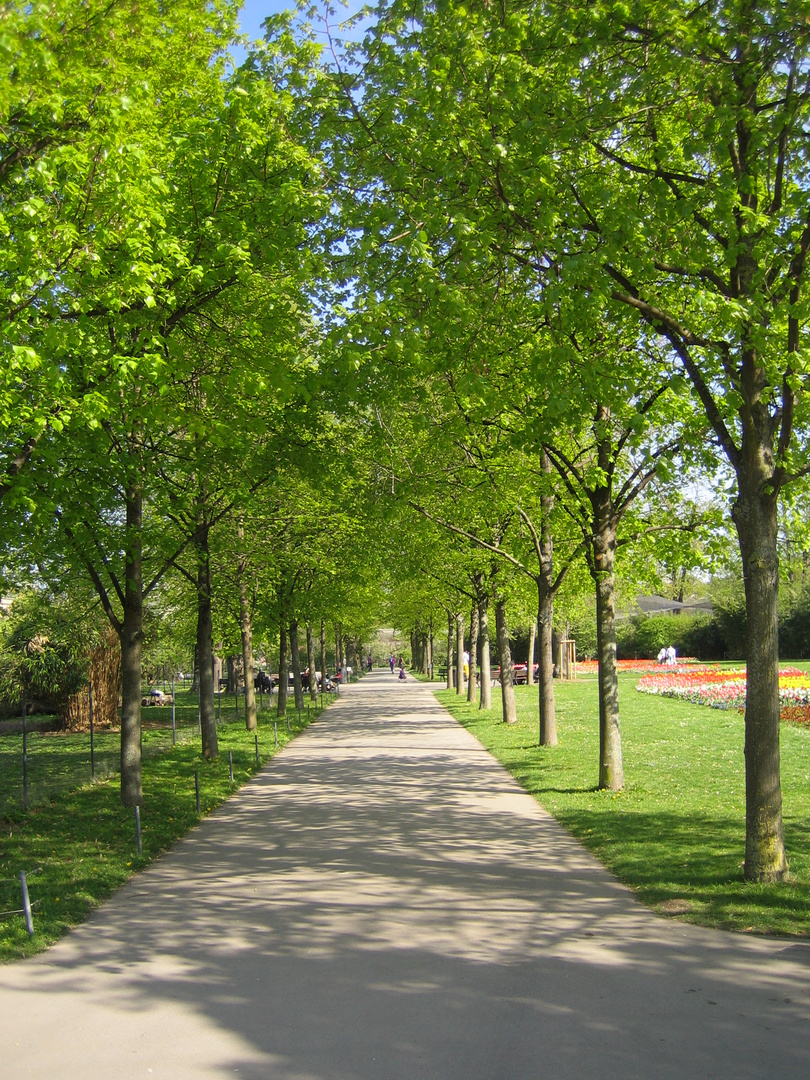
(676, 833)
(79, 846)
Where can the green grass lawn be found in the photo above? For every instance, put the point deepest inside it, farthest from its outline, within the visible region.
(677, 830)
(78, 845)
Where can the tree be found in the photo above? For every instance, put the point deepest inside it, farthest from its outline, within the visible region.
(698, 226)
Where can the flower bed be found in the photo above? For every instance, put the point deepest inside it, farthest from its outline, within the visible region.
(726, 689)
(591, 667)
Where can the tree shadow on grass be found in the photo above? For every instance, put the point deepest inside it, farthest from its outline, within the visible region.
(384, 901)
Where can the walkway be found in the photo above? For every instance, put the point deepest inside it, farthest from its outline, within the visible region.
(383, 903)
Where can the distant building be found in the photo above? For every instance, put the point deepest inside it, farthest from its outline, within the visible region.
(662, 605)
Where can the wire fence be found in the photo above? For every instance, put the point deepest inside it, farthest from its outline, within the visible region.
(38, 765)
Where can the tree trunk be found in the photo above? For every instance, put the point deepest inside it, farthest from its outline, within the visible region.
(459, 653)
(450, 628)
(755, 518)
(295, 655)
(505, 660)
(323, 649)
(205, 642)
(545, 615)
(281, 704)
(246, 628)
(485, 665)
(473, 652)
(430, 650)
(313, 679)
(545, 671)
(232, 678)
(602, 566)
(530, 660)
(131, 638)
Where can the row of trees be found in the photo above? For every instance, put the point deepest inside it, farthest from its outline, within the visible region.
(519, 275)
(587, 226)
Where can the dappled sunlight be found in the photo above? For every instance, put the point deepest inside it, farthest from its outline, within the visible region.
(384, 900)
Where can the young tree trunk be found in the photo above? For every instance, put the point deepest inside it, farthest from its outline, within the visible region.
(205, 641)
(232, 677)
(545, 671)
(505, 660)
(546, 587)
(459, 653)
(281, 704)
(246, 628)
(295, 655)
(130, 633)
(450, 627)
(313, 679)
(602, 566)
(323, 649)
(485, 664)
(530, 660)
(473, 652)
(430, 649)
(755, 517)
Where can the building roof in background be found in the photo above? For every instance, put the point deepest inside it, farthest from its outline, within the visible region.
(662, 605)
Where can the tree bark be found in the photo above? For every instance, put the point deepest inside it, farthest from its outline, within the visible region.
(281, 704)
(450, 628)
(323, 649)
(755, 518)
(131, 638)
(505, 660)
(246, 628)
(602, 564)
(459, 653)
(485, 664)
(295, 655)
(313, 680)
(545, 673)
(473, 652)
(205, 641)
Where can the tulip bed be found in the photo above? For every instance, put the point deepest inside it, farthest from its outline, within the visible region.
(591, 667)
(726, 688)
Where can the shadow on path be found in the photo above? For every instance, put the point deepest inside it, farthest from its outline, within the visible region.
(384, 902)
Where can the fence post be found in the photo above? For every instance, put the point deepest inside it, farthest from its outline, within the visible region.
(230, 764)
(256, 738)
(29, 922)
(138, 828)
(197, 790)
(92, 745)
(25, 752)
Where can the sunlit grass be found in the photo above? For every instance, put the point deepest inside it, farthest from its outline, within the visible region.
(79, 846)
(677, 830)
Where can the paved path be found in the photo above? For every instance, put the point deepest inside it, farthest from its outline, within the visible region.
(383, 903)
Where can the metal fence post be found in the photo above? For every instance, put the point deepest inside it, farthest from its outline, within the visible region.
(92, 745)
(29, 922)
(25, 753)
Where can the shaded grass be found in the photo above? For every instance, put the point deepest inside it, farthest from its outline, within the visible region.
(677, 830)
(79, 846)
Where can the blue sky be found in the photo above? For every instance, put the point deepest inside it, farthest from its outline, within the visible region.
(255, 11)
